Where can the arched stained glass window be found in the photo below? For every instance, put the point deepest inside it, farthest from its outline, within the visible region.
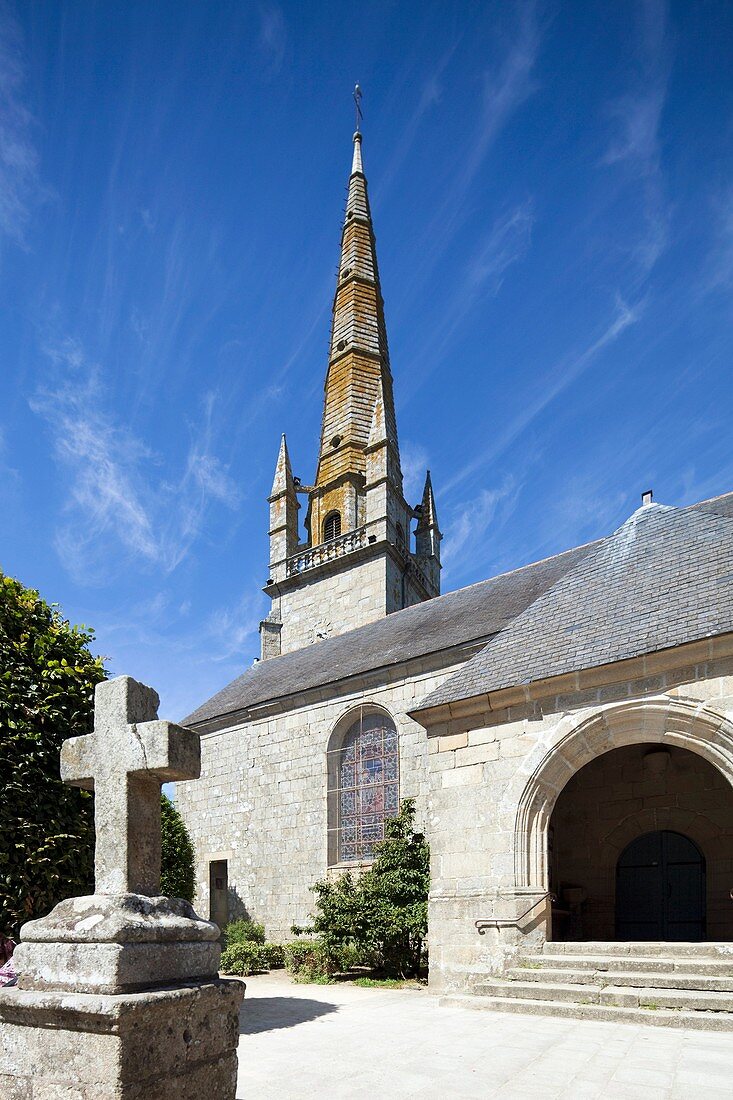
(364, 780)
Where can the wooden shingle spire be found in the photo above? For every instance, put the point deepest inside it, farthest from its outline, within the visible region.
(359, 375)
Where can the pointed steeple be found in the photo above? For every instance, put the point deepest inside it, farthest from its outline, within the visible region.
(427, 534)
(357, 561)
(358, 373)
(283, 480)
(428, 518)
(283, 514)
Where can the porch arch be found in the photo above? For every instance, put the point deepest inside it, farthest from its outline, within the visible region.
(689, 725)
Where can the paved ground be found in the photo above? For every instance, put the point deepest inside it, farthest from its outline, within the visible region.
(304, 1041)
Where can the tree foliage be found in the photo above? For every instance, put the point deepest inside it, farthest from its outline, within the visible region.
(177, 863)
(384, 912)
(47, 680)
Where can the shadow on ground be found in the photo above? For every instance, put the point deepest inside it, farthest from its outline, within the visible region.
(271, 1013)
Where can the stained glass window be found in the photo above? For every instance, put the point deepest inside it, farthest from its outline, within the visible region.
(367, 774)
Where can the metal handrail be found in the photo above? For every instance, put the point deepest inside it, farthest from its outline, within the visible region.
(482, 925)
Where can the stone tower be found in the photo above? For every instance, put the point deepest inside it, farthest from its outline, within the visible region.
(356, 562)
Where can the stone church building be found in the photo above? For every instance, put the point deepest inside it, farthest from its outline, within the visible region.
(566, 728)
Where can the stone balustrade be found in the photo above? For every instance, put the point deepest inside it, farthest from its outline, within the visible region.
(327, 551)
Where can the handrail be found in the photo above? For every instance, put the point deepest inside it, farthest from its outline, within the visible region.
(482, 925)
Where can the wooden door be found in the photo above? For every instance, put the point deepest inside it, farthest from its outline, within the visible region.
(660, 889)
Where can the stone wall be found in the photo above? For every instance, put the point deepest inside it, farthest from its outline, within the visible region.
(261, 802)
(330, 603)
(495, 775)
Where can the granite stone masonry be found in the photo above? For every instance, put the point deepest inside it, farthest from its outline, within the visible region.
(484, 704)
(119, 996)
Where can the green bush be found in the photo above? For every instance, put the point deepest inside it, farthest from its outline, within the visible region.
(244, 931)
(381, 918)
(313, 961)
(47, 679)
(244, 958)
(177, 864)
(275, 955)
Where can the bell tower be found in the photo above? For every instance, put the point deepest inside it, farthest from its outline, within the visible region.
(355, 562)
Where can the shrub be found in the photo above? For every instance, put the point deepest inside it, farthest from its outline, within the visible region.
(244, 958)
(47, 679)
(177, 863)
(244, 931)
(275, 955)
(381, 917)
(314, 961)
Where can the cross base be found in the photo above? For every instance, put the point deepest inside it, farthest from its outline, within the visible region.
(108, 944)
(168, 1044)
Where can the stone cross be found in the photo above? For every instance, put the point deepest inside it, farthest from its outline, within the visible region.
(125, 761)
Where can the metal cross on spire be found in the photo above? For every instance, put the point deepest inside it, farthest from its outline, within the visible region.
(357, 104)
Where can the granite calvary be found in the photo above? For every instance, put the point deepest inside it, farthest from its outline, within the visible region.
(119, 996)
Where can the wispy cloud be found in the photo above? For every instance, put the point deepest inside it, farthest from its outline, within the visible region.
(718, 270)
(415, 461)
(117, 499)
(19, 181)
(272, 37)
(552, 385)
(429, 96)
(504, 90)
(469, 524)
(233, 630)
(636, 118)
(505, 243)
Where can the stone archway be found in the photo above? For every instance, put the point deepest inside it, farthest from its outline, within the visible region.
(659, 720)
(626, 793)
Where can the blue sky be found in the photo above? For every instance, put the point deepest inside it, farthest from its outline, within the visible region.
(552, 190)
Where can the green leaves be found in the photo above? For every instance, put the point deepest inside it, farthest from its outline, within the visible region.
(47, 680)
(177, 863)
(384, 912)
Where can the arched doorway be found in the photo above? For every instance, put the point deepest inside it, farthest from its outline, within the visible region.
(639, 847)
(660, 889)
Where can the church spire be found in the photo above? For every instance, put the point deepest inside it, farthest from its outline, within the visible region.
(356, 562)
(359, 372)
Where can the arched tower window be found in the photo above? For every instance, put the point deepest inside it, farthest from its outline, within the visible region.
(363, 774)
(332, 526)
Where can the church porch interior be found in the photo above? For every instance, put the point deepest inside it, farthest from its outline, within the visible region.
(640, 848)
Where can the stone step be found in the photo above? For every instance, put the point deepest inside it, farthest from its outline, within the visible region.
(689, 1000)
(709, 950)
(580, 976)
(658, 964)
(697, 1021)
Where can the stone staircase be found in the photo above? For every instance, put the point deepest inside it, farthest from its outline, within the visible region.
(671, 984)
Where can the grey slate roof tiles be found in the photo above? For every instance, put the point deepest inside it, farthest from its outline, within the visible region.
(459, 618)
(659, 581)
(664, 578)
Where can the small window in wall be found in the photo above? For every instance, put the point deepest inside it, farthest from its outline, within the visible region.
(332, 526)
(219, 892)
(363, 770)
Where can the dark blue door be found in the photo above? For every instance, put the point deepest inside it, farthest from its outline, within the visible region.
(660, 889)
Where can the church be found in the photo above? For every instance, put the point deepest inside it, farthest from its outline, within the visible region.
(566, 728)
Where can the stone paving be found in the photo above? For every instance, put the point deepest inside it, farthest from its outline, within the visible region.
(304, 1041)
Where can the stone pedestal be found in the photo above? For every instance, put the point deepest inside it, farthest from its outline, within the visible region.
(174, 1043)
(119, 999)
(119, 996)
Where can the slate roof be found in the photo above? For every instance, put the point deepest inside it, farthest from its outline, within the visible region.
(664, 578)
(466, 617)
(469, 615)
